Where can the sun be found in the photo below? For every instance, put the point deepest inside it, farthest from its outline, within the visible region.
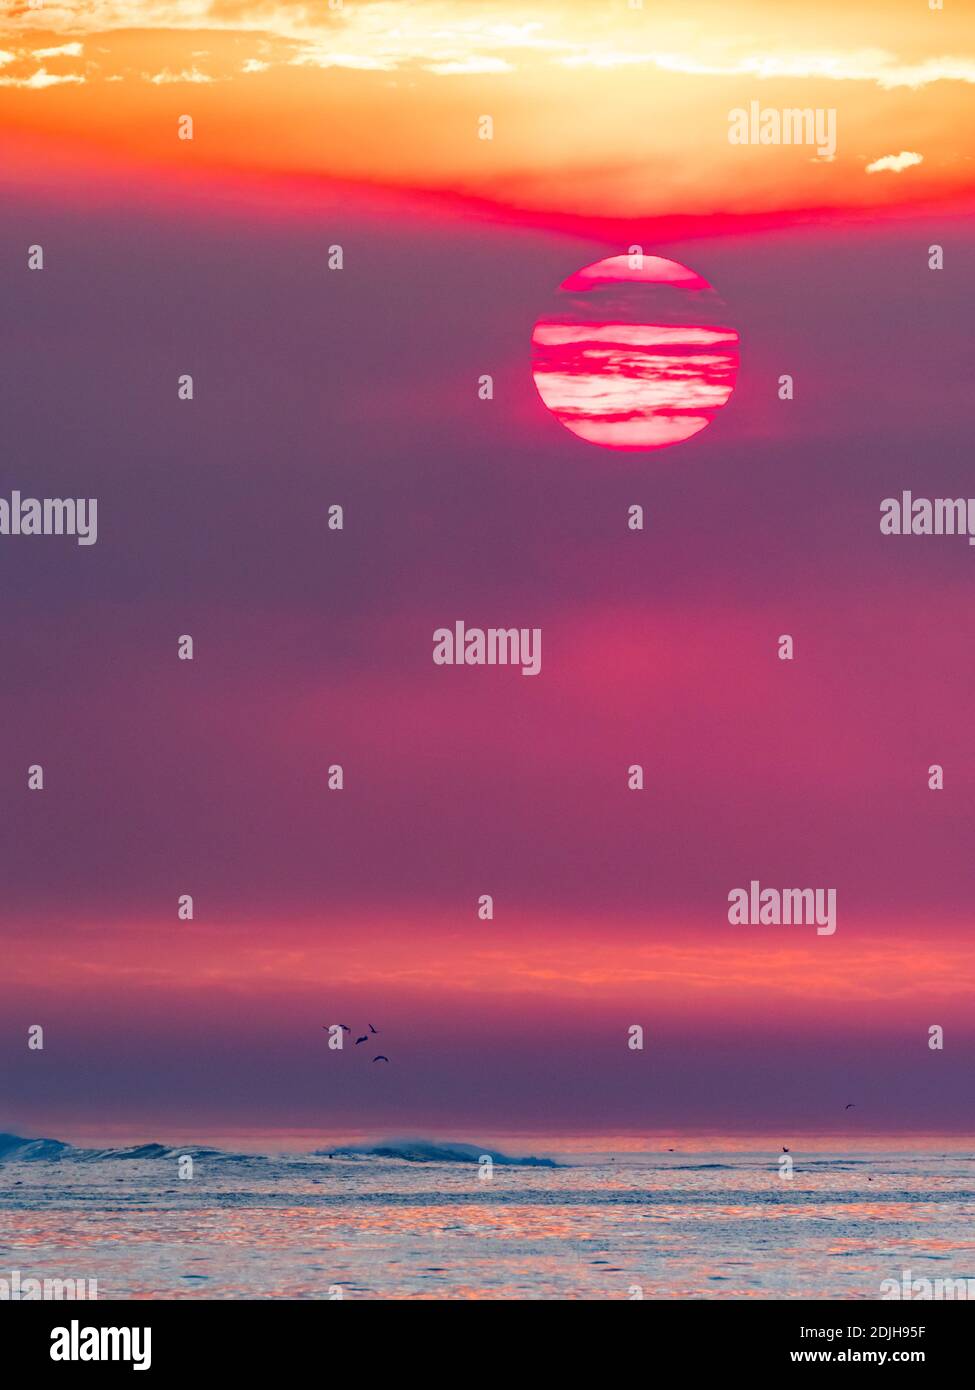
(634, 355)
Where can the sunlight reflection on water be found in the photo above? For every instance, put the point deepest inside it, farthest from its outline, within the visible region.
(677, 1226)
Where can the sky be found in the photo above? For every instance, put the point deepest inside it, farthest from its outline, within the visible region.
(314, 387)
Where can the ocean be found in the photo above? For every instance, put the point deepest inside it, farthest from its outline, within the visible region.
(718, 1224)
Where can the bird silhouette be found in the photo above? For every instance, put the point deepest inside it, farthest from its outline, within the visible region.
(380, 1058)
(373, 1030)
(784, 1149)
(364, 1038)
(851, 1106)
(344, 1026)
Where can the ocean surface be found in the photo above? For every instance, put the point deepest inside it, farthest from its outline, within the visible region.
(367, 1225)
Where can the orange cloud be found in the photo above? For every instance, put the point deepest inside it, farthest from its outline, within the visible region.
(609, 111)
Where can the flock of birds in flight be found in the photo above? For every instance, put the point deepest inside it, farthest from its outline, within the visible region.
(365, 1038)
(382, 1058)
